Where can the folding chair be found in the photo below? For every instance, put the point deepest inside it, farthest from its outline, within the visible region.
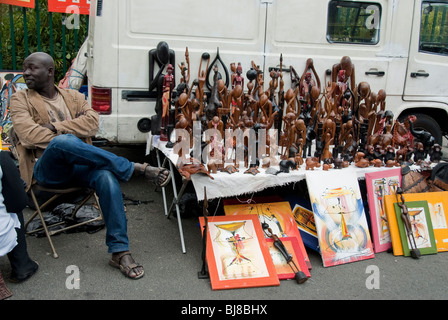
(56, 194)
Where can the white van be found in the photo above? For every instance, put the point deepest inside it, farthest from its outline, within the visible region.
(400, 46)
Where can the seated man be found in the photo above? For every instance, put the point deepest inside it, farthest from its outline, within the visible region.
(53, 126)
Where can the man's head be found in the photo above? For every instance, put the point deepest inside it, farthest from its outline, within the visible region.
(38, 72)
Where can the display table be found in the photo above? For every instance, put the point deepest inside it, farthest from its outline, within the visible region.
(224, 185)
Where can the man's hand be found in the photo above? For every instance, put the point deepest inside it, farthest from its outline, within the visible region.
(49, 126)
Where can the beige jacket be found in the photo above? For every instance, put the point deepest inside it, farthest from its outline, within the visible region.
(28, 113)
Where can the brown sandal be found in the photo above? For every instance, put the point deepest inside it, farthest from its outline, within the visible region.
(140, 169)
(126, 270)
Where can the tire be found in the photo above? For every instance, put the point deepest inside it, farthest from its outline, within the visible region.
(427, 123)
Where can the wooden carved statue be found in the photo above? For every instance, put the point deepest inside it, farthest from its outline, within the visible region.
(185, 69)
(290, 98)
(285, 137)
(307, 81)
(236, 77)
(384, 135)
(201, 80)
(168, 86)
(217, 153)
(349, 68)
(329, 127)
(214, 102)
(326, 154)
(263, 108)
(422, 135)
(401, 135)
(364, 102)
(298, 134)
(381, 102)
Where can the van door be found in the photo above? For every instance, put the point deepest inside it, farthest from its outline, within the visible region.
(428, 53)
(325, 31)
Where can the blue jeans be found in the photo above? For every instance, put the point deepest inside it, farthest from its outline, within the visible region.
(68, 161)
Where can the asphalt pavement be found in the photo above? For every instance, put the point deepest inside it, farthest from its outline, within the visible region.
(82, 272)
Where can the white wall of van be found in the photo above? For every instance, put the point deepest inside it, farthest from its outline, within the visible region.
(122, 32)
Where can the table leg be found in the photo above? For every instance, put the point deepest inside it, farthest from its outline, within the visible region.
(163, 188)
(175, 202)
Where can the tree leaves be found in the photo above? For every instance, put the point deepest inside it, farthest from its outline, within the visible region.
(43, 32)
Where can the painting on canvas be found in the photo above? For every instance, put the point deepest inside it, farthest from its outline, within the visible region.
(283, 268)
(380, 184)
(279, 217)
(421, 235)
(304, 218)
(237, 254)
(339, 215)
(438, 208)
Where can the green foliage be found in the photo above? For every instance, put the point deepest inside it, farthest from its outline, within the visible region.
(43, 31)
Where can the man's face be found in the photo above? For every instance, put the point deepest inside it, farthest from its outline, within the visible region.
(36, 73)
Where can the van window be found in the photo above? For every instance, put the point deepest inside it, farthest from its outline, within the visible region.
(433, 28)
(353, 22)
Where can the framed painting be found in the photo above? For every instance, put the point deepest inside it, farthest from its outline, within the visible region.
(378, 185)
(395, 239)
(277, 215)
(304, 218)
(237, 254)
(438, 208)
(422, 235)
(283, 269)
(339, 215)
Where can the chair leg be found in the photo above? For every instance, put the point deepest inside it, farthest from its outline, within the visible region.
(49, 233)
(39, 212)
(83, 202)
(42, 206)
(78, 207)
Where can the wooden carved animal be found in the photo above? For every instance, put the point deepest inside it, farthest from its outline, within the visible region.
(194, 168)
(298, 160)
(286, 165)
(311, 163)
(403, 154)
(435, 154)
(422, 135)
(391, 163)
(419, 152)
(401, 135)
(381, 138)
(229, 169)
(389, 154)
(376, 163)
(360, 161)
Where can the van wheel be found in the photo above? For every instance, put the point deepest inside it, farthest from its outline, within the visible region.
(427, 123)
